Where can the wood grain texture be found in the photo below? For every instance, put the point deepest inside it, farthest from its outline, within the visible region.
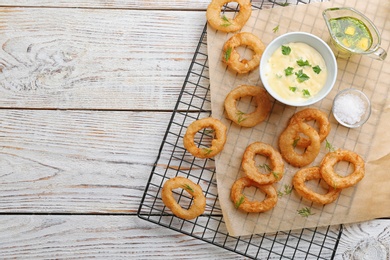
(118, 237)
(112, 4)
(97, 237)
(366, 240)
(121, 4)
(95, 59)
(76, 161)
(86, 93)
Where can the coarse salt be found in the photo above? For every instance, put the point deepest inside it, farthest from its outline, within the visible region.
(349, 108)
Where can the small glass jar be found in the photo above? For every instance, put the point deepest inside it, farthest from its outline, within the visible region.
(351, 108)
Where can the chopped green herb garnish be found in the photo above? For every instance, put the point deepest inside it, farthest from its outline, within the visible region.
(286, 50)
(188, 187)
(293, 89)
(296, 140)
(329, 146)
(306, 93)
(287, 190)
(239, 202)
(276, 28)
(265, 167)
(301, 77)
(317, 69)
(228, 53)
(207, 151)
(209, 131)
(276, 175)
(240, 117)
(302, 63)
(226, 21)
(288, 71)
(305, 212)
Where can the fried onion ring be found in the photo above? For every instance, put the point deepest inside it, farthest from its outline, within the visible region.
(224, 24)
(287, 144)
(312, 114)
(232, 58)
(249, 164)
(217, 143)
(335, 180)
(263, 105)
(199, 200)
(313, 173)
(243, 203)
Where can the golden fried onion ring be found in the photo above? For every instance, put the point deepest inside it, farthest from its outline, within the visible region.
(199, 200)
(244, 204)
(312, 114)
(287, 145)
(217, 143)
(249, 164)
(263, 105)
(224, 24)
(232, 58)
(313, 173)
(335, 180)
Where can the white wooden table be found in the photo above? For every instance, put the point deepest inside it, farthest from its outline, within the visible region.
(87, 91)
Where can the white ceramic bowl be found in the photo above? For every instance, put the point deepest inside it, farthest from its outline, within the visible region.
(315, 42)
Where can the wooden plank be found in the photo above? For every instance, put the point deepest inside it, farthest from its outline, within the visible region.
(101, 237)
(137, 4)
(124, 4)
(115, 237)
(95, 59)
(77, 161)
(365, 240)
(112, 4)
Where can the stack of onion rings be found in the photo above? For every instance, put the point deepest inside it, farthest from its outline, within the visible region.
(263, 105)
(199, 200)
(326, 172)
(312, 114)
(252, 177)
(232, 58)
(335, 180)
(253, 173)
(241, 202)
(217, 143)
(287, 144)
(313, 173)
(224, 24)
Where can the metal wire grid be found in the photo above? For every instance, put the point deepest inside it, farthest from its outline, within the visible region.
(173, 160)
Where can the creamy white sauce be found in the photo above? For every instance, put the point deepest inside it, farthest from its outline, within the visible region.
(284, 85)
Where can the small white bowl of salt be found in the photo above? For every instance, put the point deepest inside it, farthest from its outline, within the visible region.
(351, 108)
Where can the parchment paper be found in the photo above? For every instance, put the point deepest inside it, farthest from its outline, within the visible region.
(367, 200)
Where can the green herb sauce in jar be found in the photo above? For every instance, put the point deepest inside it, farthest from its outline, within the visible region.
(351, 33)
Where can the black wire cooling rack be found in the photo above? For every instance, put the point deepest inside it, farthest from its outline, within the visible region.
(173, 160)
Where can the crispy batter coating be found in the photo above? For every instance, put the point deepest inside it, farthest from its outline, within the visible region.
(263, 105)
(313, 173)
(334, 179)
(217, 143)
(199, 200)
(232, 58)
(287, 144)
(312, 114)
(224, 24)
(251, 170)
(243, 203)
